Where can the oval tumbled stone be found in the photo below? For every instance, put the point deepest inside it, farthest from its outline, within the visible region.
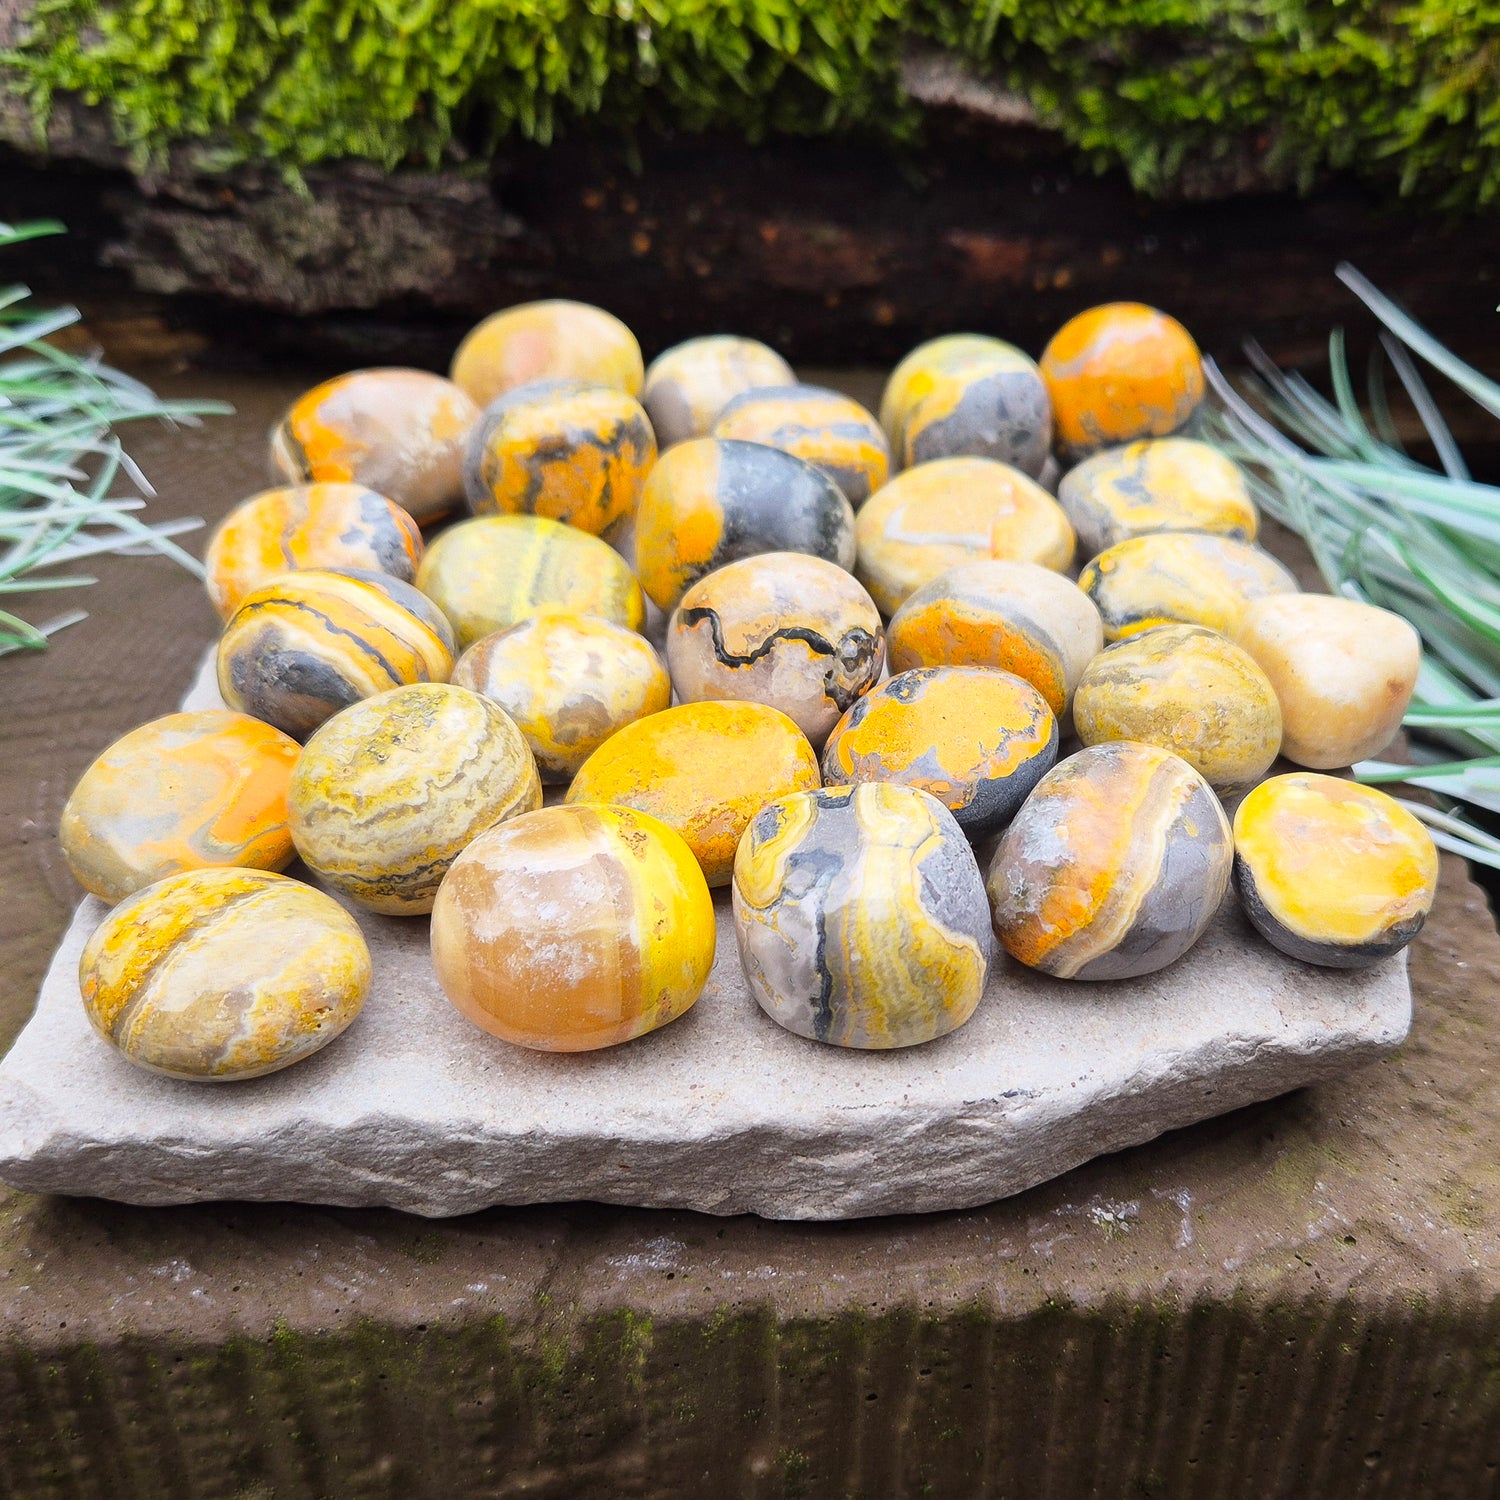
(977, 739)
(689, 385)
(1332, 872)
(574, 928)
(223, 974)
(704, 769)
(1180, 578)
(186, 792)
(387, 794)
(861, 916)
(1114, 867)
(711, 501)
(1189, 690)
(792, 631)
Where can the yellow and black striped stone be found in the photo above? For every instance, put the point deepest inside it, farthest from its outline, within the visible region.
(1114, 867)
(387, 794)
(308, 526)
(861, 916)
(833, 432)
(565, 450)
(1160, 484)
(215, 975)
(1332, 872)
(494, 571)
(792, 631)
(977, 739)
(307, 644)
(712, 501)
(1180, 578)
(689, 385)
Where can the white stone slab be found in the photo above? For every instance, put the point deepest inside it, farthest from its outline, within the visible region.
(722, 1111)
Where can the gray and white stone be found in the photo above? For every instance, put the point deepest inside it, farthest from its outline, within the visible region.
(722, 1111)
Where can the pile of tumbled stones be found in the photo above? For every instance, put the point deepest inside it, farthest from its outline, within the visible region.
(874, 649)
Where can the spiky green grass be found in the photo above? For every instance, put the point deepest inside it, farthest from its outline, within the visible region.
(61, 460)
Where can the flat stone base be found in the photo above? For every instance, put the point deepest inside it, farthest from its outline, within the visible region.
(722, 1111)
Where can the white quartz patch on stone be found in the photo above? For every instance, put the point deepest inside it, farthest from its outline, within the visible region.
(721, 1111)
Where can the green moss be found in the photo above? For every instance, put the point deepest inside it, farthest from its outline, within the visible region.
(1175, 90)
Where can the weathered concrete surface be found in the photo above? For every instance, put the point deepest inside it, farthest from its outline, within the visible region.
(1301, 1298)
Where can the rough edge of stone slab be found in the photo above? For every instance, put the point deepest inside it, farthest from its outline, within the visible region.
(722, 1111)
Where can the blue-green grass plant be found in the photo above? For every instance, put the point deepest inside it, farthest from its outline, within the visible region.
(1390, 531)
(61, 460)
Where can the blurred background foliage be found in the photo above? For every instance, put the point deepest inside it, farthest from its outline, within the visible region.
(1404, 92)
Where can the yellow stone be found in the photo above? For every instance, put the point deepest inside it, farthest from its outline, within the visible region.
(574, 928)
(223, 974)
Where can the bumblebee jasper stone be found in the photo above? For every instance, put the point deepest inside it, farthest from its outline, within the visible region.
(1166, 484)
(861, 916)
(1332, 872)
(401, 432)
(574, 928)
(308, 526)
(704, 769)
(1118, 372)
(1190, 690)
(307, 644)
(386, 794)
(214, 975)
(968, 394)
(186, 792)
(831, 431)
(1180, 577)
(573, 452)
(978, 740)
(1344, 672)
(552, 340)
(1114, 867)
(1014, 616)
(952, 511)
(713, 500)
(568, 681)
(792, 631)
(494, 571)
(690, 384)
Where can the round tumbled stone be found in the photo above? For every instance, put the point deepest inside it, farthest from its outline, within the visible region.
(1167, 484)
(795, 632)
(399, 432)
(1119, 372)
(1113, 868)
(387, 794)
(1191, 691)
(559, 448)
(1343, 671)
(1013, 616)
(711, 501)
(574, 928)
(308, 526)
(704, 769)
(1332, 872)
(951, 511)
(186, 792)
(569, 682)
(215, 975)
(307, 644)
(494, 571)
(550, 340)
(1180, 578)
(968, 394)
(689, 385)
(977, 739)
(861, 916)
(827, 429)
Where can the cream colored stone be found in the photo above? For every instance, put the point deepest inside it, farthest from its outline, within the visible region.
(1343, 671)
